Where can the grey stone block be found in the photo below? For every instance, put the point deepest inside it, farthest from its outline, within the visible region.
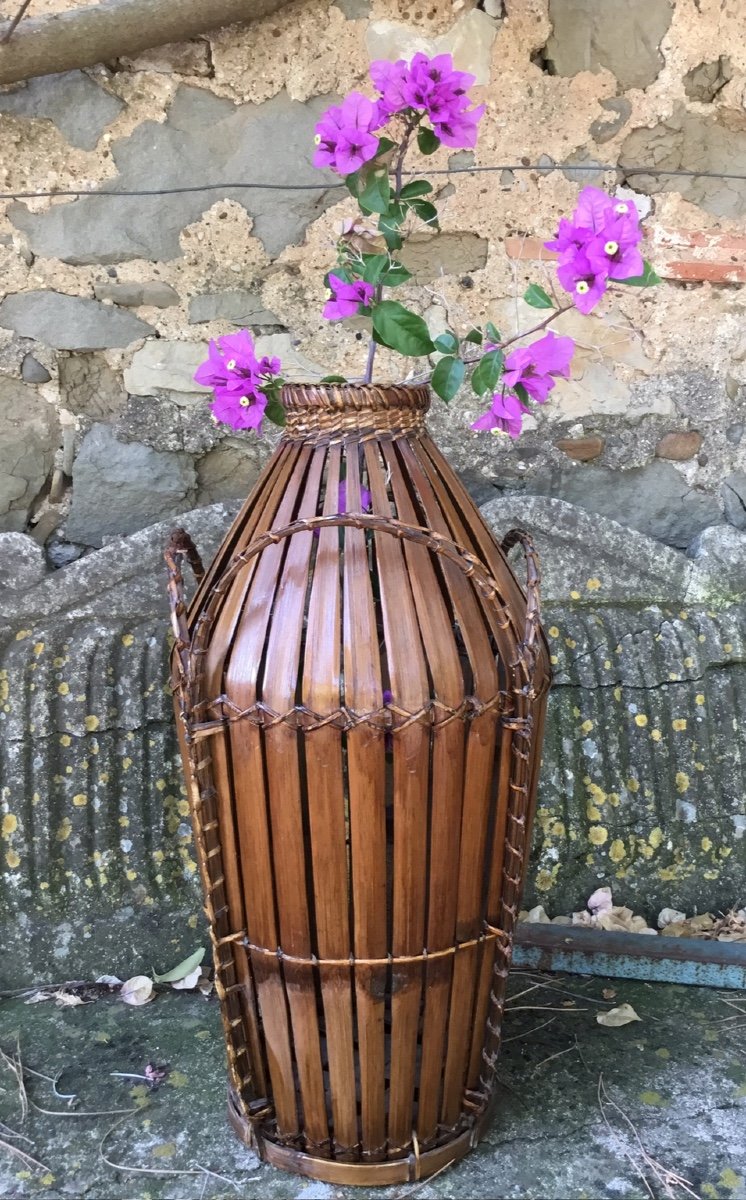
(32, 371)
(29, 436)
(734, 498)
(132, 295)
(79, 108)
(721, 552)
(89, 387)
(219, 141)
(588, 36)
(70, 322)
(165, 366)
(22, 562)
(239, 308)
(120, 487)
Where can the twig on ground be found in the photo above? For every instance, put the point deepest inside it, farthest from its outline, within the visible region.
(193, 1171)
(25, 1158)
(106, 1112)
(528, 1032)
(53, 1080)
(15, 1065)
(667, 1179)
(558, 1054)
(545, 1008)
(407, 1192)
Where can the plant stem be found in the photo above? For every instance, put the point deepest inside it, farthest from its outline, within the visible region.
(557, 312)
(398, 169)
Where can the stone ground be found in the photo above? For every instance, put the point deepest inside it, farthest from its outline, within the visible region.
(678, 1078)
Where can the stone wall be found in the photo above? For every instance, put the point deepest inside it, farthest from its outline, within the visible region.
(107, 304)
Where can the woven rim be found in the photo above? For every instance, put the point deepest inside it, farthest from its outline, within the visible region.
(330, 411)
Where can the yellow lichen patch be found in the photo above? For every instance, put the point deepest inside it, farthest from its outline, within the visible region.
(553, 659)
(141, 1095)
(706, 844)
(38, 648)
(593, 584)
(653, 1098)
(558, 829)
(683, 614)
(570, 643)
(544, 881)
(124, 822)
(66, 740)
(23, 633)
(160, 784)
(593, 813)
(730, 1180)
(725, 851)
(668, 874)
(158, 856)
(91, 723)
(63, 689)
(655, 837)
(165, 1150)
(641, 720)
(688, 662)
(47, 1179)
(597, 835)
(617, 693)
(616, 850)
(728, 647)
(183, 808)
(10, 824)
(679, 724)
(574, 595)
(177, 1079)
(633, 785)
(12, 859)
(64, 830)
(80, 800)
(192, 921)
(656, 735)
(127, 639)
(708, 1190)
(682, 782)
(663, 1052)
(131, 875)
(587, 726)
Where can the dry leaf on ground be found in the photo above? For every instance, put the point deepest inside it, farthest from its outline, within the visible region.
(623, 1014)
(137, 990)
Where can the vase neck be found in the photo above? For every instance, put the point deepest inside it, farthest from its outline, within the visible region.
(341, 412)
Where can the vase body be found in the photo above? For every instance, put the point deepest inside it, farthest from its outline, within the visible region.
(361, 684)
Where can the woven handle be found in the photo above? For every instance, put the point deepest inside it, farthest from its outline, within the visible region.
(180, 546)
(471, 566)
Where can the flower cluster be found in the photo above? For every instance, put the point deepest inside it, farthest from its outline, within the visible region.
(597, 244)
(434, 90)
(347, 298)
(530, 372)
(426, 87)
(239, 380)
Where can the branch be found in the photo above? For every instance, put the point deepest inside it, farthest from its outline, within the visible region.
(113, 29)
(17, 18)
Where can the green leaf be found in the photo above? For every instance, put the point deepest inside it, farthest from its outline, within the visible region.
(448, 377)
(395, 274)
(333, 379)
(384, 145)
(182, 969)
(537, 297)
(447, 343)
(427, 141)
(426, 211)
(648, 278)
(388, 225)
(275, 411)
(417, 187)
(375, 194)
(521, 393)
(488, 371)
(401, 330)
(492, 333)
(475, 336)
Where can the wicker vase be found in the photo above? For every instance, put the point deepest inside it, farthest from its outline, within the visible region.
(360, 685)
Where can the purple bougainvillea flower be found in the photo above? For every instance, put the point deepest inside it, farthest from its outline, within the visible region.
(505, 415)
(536, 367)
(569, 238)
(614, 250)
(344, 136)
(347, 298)
(579, 277)
(459, 129)
(391, 79)
(238, 380)
(365, 498)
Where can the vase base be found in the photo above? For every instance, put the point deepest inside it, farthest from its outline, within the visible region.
(364, 1174)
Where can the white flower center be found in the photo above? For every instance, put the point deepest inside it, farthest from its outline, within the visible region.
(317, 139)
(244, 402)
(621, 208)
(611, 248)
(231, 364)
(582, 287)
